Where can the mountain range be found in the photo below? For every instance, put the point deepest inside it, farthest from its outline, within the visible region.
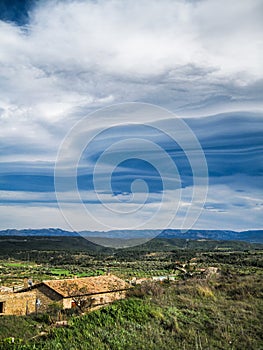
(252, 236)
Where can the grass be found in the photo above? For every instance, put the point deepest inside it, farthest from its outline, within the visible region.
(21, 327)
(60, 272)
(222, 313)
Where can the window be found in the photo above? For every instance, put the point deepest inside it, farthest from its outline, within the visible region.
(2, 304)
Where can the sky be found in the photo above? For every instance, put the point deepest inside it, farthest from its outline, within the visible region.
(63, 64)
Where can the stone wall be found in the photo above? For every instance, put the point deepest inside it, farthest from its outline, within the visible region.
(105, 298)
(24, 303)
(18, 304)
(97, 299)
(47, 296)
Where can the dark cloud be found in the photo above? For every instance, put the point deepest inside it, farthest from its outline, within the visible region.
(232, 143)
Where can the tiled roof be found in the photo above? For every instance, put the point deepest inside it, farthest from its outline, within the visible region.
(87, 285)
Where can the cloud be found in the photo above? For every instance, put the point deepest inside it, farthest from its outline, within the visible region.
(65, 59)
(226, 208)
(87, 53)
(75, 56)
(232, 144)
(233, 147)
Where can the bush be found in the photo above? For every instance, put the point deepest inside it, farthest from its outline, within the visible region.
(153, 289)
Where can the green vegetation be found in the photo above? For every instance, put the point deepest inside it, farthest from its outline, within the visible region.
(35, 257)
(217, 313)
(195, 311)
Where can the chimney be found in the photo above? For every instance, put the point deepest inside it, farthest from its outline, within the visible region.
(25, 282)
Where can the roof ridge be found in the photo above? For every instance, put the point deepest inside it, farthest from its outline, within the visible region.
(80, 278)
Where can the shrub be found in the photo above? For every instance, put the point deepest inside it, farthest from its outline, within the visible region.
(153, 289)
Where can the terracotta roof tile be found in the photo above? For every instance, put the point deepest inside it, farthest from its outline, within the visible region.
(87, 285)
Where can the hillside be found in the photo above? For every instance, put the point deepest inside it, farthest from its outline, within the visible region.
(217, 313)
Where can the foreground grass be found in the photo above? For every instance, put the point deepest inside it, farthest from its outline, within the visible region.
(220, 313)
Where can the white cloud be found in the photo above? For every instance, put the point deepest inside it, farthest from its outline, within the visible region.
(147, 38)
(86, 54)
(73, 57)
(21, 216)
(225, 209)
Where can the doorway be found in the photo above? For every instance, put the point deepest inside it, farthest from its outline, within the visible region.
(2, 307)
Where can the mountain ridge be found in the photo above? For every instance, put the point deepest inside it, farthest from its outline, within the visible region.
(252, 236)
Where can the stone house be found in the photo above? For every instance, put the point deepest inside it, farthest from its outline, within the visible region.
(68, 293)
(17, 304)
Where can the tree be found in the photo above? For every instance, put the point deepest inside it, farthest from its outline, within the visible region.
(79, 296)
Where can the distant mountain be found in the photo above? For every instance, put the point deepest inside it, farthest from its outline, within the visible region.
(38, 232)
(252, 236)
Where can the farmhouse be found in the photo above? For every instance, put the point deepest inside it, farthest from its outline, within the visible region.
(14, 304)
(69, 293)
